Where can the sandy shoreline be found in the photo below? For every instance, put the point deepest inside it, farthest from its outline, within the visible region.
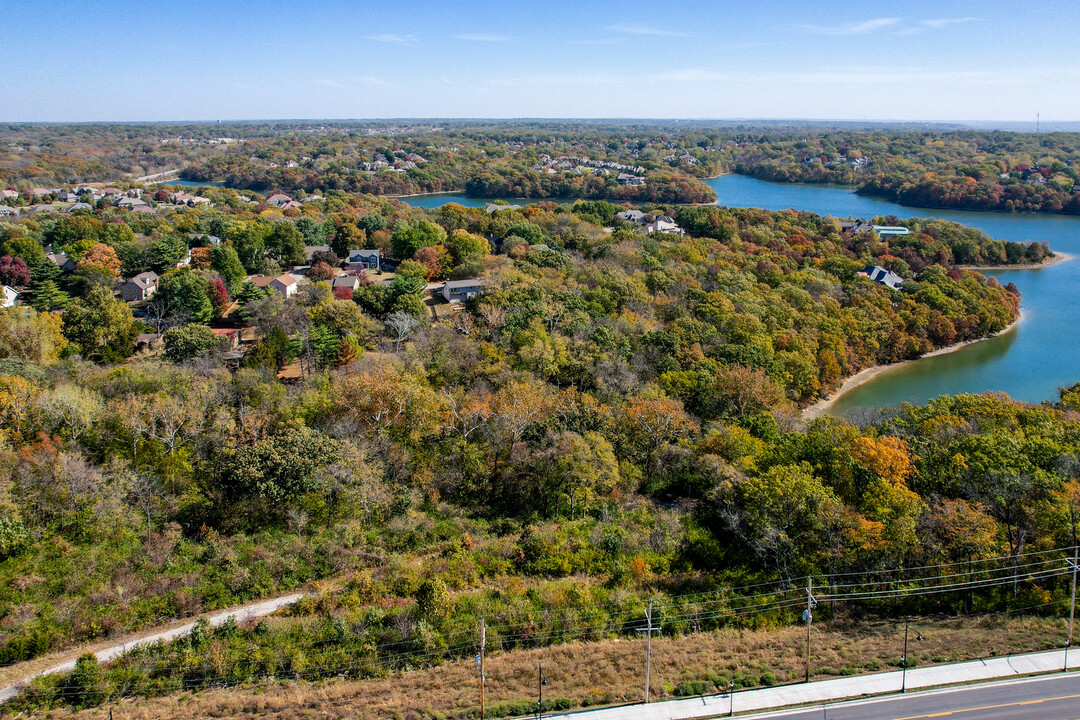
(862, 377)
(1059, 257)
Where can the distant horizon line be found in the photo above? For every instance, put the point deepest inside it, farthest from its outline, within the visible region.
(526, 118)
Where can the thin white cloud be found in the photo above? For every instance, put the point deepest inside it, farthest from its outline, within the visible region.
(935, 23)
(447, 81)
(394, 38)
(852, 28)
(483, 37)
(595, 42)
(645, 30)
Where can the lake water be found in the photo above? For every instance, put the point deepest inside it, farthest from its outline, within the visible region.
(1029, 363)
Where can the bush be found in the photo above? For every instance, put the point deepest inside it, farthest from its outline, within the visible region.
(13, 537)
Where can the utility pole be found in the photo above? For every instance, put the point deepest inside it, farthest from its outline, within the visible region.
(483, 674)
(540, 683)
(1075, 563)
(648, 630)
(811, 603)
(903, 678)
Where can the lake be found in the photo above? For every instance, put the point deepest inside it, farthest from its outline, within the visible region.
(1029, 362)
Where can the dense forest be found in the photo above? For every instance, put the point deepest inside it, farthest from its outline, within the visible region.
(615, 418)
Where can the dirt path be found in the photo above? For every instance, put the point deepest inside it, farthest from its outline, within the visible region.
(65, 661)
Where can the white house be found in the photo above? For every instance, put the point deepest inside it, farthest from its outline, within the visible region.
(286, 285)
(11, 297)
(882, 276)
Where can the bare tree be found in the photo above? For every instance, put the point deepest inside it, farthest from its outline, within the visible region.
(402, 324)
(145, 489)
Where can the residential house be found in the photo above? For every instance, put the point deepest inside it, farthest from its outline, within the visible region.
(278, 199)
(461, 290)
(291, 205)
(859, 227)
(62, 261)
(628, 179)
(891, 230)
(129, 202)
(364, 260)
(664, 224)
(346, 281)
(80, 206)
(11, 297)
(8, 194)
(5, 211)
(140, 287)
(38, 192)
(230, 337)
(286, 284)
(312, 198)
(310, 250)
(495, 207)
(882, 276)
(634, 216)
(143, 209)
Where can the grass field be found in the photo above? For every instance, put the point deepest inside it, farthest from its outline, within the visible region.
(611, 672)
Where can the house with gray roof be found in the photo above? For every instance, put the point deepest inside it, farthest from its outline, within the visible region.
(140, 287)
(882, 276)
(462, 290)
(364, 260)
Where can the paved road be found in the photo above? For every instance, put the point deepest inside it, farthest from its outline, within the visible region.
(1044, 698)
(816, 694)
(242, 612)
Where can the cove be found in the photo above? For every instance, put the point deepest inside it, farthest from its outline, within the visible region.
(1028, 363)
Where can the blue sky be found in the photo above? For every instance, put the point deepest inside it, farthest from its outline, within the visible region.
(947, 60)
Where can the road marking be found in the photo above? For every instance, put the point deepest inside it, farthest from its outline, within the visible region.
(989, 707)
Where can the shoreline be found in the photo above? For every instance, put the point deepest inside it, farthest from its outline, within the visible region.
(1059, 257)
(821, 407)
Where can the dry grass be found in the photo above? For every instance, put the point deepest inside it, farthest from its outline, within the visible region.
(607, 672)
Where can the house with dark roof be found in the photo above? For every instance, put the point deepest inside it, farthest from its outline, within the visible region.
(62, 261)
